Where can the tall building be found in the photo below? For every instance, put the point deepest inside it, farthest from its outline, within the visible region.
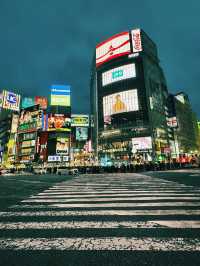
(128, 100)
(185, 124)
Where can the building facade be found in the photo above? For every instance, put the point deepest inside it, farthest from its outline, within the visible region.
(128, 100)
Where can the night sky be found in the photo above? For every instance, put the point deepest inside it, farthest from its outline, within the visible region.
(43, 42)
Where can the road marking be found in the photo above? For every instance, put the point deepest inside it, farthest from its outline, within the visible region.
(107, 199)
(102, 212)
(179, 224)
(104, 243)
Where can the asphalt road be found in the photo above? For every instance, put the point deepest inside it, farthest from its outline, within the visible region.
(105, 219)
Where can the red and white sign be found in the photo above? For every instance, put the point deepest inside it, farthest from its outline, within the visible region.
(136, 40)
(116, 46)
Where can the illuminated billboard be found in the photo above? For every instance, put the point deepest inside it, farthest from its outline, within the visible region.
(81, 133)
(59, 122)
(27, 102)
(116, 46)
(62, 146)
(11, 100)
(80, 120)
(141, 143)
(14, 125)
(30, 119)
(42, 101)
(136, 40)
(125, 101)
(60, 95)
(118, 73)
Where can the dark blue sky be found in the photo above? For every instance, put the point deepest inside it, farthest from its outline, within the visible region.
(43, 42)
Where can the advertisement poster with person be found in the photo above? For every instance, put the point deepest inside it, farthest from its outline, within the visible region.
(125, 101)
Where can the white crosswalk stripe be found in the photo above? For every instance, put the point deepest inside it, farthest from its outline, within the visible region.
(114, 211)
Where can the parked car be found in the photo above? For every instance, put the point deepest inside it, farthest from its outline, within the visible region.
(73, 171)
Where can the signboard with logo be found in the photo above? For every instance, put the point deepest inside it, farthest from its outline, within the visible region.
(54, 158)
(118, 73)
(81, 133)
(62, 146)
(60, 95)
(11, 101)
(80, 120)
(42, 101)
(27, 102)
(116, 46)
(136, 40)
(59, 122)
(121, 102)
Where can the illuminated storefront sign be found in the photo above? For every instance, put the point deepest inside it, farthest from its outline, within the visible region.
(27, 102)
(115, 46)
(81, 133)
(118, 73)
(125, 101)
(136, 40)
(141, 143)
(80, 121)
(11, 101)
(62, 146)
(60, 95)
(42, 101)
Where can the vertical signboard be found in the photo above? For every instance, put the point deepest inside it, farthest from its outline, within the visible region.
(42, 101)
(136, 40)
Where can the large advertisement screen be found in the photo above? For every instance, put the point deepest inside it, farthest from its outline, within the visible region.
(59, 122)
(81, 133)
(125, 101)
(11, 101)
(42, 101)
(80, 120)
(118, 73)
(136, 40)
(60, 95)
(115, 46)
(141, 143)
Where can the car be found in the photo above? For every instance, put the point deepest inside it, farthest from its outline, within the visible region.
(40, 171)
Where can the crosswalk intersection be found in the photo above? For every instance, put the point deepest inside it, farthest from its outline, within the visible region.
(106, 212)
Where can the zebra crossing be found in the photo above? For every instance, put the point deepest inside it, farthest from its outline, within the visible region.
(106, 212)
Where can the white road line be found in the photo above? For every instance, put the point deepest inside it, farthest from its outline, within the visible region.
(30, 200)
(104, 243)
(109, 196)
(102, 212)
(120, 205)
(76, 225)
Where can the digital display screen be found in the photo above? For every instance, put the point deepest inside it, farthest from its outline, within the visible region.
(121, 102)
(80, 120)
(141, 143)
(118, 73)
